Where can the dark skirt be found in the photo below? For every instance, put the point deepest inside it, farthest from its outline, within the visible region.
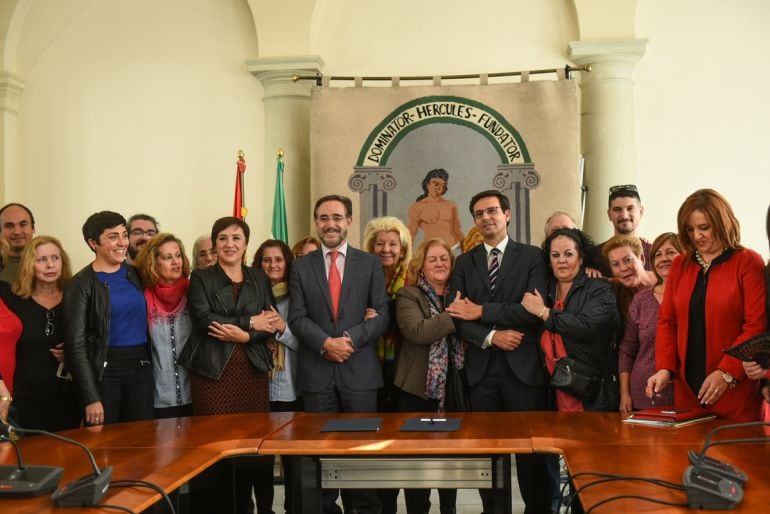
(240, 389)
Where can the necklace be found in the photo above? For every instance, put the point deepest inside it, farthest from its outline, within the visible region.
(706, 265)
(49, 317)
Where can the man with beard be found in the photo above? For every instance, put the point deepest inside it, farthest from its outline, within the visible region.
(17, 226)
(141, 228)
(329, 292)
(625, 212)
(503, 365)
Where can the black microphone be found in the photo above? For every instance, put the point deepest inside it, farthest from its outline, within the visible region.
(37, 480)
(713, 484)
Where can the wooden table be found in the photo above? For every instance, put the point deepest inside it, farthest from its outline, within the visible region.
(166, 452)
(478, 455)
(170, 452)
(601, 443)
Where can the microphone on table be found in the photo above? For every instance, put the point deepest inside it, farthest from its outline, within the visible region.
(711, 483)
(25, 481)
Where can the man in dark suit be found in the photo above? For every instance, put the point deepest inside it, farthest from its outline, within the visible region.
(503, 364)
(330, 289)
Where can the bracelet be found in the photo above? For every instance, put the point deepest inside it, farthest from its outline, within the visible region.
(542, 313)
(6, 398)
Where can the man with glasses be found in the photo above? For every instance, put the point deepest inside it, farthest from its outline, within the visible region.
(17, 226)
(338, 368)
(503, 365)
(141, 228)
(624, 211)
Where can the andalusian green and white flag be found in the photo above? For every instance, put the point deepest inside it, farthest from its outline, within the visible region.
(280, 227)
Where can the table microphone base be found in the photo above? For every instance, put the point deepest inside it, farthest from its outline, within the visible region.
(28, 481)
(84, 491)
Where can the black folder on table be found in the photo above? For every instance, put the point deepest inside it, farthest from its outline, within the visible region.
(353, 425)
(431, 425)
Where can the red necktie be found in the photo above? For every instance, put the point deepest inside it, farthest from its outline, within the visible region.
(335, 283)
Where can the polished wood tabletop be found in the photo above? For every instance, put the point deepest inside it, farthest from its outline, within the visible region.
(479, 433)
(170, 452)
(166, 452)
(556, 432)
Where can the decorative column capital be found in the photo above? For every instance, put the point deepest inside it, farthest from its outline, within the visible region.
(608, 59)
(11, 86)
(276, 74)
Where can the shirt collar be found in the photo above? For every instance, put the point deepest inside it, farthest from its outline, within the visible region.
(342, 249)
(500, 246)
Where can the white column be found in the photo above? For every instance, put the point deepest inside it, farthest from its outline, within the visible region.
(607, 115)
(11, 86)
(287, 126)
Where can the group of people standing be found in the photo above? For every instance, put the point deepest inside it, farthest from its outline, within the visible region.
(325, 327)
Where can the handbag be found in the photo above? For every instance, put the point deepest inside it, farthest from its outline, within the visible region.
(456, 397)
(576, 378)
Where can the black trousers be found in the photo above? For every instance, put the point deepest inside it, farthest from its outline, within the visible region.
(338, 398)
(501, 390)
(127, 387)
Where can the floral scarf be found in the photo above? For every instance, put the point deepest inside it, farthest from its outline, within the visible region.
(442, 351)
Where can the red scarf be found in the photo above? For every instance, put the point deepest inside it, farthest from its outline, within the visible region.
(166, 299)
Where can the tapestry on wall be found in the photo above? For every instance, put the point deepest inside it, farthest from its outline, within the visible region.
(420, 153)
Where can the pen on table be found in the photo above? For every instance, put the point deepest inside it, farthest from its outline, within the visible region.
(433, 420)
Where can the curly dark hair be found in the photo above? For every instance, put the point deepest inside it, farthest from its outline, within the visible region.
(584, 244)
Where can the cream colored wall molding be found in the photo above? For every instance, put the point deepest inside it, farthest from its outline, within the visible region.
(287, 126)
(275, 74)
(608, 136)
(11, 86)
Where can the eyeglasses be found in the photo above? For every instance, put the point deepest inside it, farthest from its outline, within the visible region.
(138, 232)
(49, 315)
(489, 211)
(206, 253)
(624, 190)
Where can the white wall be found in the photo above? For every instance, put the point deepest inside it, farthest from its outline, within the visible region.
(137, 106)
(142, 105)
(702, 109)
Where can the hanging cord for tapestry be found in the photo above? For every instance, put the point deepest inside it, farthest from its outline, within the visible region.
(562, 73)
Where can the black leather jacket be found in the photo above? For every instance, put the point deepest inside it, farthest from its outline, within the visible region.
(589, 326)
(86, 314)
(210, 298)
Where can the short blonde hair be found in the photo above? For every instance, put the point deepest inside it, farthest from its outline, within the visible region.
(619, 241)
(389, 224)
(147, 259)
(419, 258)
(25, 282)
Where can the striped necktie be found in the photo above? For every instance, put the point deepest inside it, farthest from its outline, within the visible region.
(494, 267)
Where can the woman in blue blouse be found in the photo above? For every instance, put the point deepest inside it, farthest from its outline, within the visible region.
(105, 339)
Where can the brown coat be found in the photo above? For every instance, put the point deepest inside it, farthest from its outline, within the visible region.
(419, 330)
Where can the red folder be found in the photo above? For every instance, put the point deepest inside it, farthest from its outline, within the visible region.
(672, 414)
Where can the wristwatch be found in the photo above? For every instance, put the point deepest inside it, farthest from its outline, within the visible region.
(729, 379)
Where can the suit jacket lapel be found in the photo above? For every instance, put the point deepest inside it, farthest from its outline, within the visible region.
(319, 270)
(479, 257)
(350, 268)
(506, 267)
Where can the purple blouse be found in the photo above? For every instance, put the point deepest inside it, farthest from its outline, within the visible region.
(637, 350)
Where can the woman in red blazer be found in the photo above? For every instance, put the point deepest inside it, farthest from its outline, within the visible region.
(715, 299)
